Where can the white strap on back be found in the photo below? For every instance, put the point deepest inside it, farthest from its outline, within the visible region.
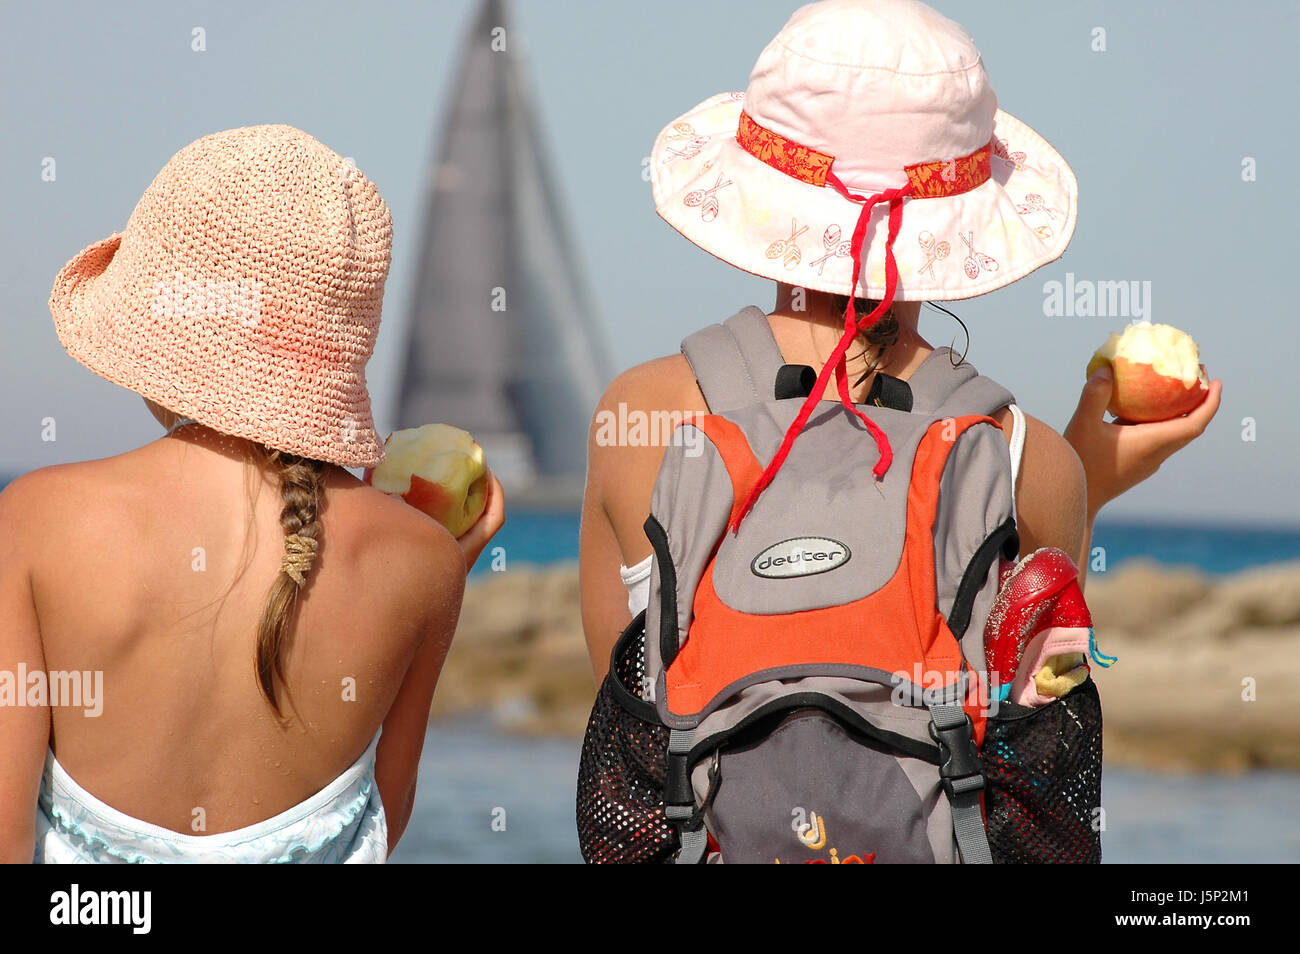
(1017, 448)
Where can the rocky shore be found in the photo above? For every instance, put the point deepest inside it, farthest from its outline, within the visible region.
(1208, 677)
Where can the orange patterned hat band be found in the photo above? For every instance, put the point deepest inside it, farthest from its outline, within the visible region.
(928, 180)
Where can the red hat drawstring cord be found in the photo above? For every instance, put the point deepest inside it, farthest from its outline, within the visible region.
(837, 363)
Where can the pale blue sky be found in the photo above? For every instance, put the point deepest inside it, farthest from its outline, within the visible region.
(1155, 128)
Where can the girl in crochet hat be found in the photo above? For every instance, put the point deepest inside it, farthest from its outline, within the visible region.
(211, 720)
(866, 169)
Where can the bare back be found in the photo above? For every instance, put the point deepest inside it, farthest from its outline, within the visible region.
(146, 567)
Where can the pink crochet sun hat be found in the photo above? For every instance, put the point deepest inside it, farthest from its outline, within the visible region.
(245, 293)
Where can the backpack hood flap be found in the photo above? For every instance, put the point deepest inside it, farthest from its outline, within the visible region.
(823, 503)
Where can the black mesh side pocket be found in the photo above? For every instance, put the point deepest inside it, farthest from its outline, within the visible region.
(623, 766)
(1044, 780)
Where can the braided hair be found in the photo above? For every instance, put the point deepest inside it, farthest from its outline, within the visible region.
(301, 479)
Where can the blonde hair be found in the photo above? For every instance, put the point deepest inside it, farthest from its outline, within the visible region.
(301, 479)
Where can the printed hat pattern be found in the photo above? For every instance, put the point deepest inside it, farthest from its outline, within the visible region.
(245, 293)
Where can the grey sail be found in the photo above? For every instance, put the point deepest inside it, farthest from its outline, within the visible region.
(503, 341)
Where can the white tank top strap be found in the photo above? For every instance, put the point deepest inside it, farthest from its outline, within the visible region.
(637, 580)
(1017, 448)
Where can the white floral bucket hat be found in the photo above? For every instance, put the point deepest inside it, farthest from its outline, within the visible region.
(867, 157)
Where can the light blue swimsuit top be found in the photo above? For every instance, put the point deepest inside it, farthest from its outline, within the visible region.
(343, 823)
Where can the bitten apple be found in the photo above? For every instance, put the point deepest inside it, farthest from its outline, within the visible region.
(1158, 374)
(438, 469)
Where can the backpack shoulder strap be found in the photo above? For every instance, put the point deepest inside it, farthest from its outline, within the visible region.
(735, 363)
(940, 389)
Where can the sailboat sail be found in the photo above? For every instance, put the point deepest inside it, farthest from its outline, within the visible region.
(503, 341)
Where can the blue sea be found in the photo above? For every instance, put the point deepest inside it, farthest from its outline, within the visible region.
(1217, 549)
(545, 536)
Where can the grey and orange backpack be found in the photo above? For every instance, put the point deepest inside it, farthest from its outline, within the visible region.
(808, 682)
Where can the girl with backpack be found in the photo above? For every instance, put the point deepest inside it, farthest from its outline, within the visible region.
(866, 169)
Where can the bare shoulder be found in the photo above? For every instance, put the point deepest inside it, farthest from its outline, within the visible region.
(21, 498)
(31, 505)
(1041, 441)
(22, 492)
(627, 428)
(637, 406)
(1050, 449)
(45, 482)
(1051, 497)
(665, 383)
(406, 546)
(630, 430)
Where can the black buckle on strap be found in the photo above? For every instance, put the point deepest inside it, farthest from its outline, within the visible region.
(962, 770)
(677, 790)
(679, 796)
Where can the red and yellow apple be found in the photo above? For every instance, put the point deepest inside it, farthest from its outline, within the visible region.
(438, 469)
(1157, 372)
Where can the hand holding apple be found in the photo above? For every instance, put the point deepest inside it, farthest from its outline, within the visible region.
(438, 469)
(1158, 374)
(1118, 456)
(474, 540)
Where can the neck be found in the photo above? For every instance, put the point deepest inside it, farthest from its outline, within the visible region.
(813, 323)
(190, 437)
(820, 308)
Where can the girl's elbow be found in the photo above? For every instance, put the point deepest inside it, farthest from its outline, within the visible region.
(399, 818)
